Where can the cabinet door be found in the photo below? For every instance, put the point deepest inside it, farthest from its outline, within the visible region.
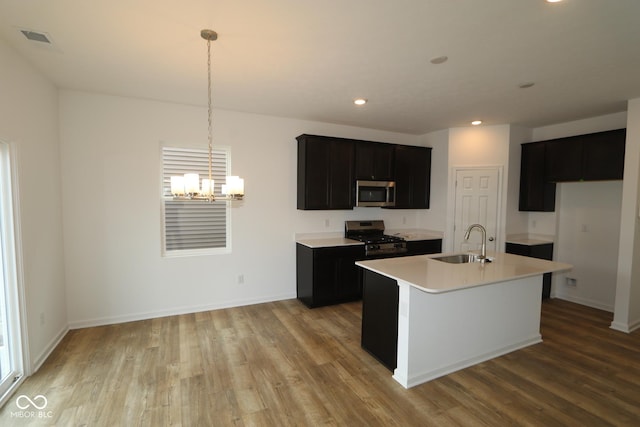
(304, 274)
(325, 173)
(336, 277)
(341, 178)
(536, 193)
(374, 161)
(603, 155)
(328, 275)
(413, 177)
(564, 159)
(348, 280)
(324, 277)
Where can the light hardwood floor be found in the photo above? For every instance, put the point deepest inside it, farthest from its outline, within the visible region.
(281, 364)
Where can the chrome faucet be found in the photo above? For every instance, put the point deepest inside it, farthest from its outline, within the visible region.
(483, 248)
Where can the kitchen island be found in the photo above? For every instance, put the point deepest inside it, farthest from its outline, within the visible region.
(450, 316)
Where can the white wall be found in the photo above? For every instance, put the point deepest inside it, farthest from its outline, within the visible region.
(110, 148)
(516, 222)
(29, 122)
(478, 146)
(588, 235)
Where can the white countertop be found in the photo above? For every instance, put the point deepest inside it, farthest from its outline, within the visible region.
(414, 234)
(331, 239)
(327, 242)
(429, 275)
(529, 239)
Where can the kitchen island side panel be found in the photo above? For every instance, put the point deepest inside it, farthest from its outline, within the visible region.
(442, 333)
(380, 318)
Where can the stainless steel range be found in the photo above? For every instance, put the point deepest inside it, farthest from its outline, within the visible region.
(376, 243)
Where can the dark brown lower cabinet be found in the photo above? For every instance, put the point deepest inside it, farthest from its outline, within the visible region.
(542, 251)
(328, 275)
(380, 297)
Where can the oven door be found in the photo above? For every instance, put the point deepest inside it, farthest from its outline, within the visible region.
(375, 193)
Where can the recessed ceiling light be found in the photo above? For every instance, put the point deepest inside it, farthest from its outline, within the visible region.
(526, 85)
(476, 122)
(439, 59)
(554, 1)
(359, 101)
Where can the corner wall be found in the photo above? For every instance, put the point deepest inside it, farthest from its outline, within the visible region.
(29, 122)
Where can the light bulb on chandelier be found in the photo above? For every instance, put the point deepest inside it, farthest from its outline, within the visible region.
(188, 187)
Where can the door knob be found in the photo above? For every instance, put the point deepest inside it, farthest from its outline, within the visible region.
(491, 239)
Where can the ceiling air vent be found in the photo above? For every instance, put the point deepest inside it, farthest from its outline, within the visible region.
(36, 37)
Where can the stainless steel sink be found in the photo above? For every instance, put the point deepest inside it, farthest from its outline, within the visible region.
(461, 258)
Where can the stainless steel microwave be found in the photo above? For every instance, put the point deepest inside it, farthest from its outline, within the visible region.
(375, 193)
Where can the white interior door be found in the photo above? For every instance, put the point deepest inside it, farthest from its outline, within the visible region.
(476, 202)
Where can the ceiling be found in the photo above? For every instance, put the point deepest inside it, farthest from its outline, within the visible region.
(310, 59)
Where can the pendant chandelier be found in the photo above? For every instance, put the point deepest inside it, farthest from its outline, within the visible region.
(188, 187)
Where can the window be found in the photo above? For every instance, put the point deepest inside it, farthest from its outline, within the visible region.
(194, 227)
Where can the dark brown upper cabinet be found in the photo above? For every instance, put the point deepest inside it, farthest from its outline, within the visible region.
(563, 160)
(374, 161)
(325, 173)
(328, 168)
(603, 155)
(592, 157)
(536, 193)
(413, 177)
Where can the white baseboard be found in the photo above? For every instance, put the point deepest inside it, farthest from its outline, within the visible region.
(586, 302)
(424, 377)
(110, 320)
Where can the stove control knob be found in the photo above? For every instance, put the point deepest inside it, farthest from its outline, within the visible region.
(375, 247)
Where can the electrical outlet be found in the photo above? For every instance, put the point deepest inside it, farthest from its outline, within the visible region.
(572, 281)
(327, 223)
(41, 319)
(240, 279)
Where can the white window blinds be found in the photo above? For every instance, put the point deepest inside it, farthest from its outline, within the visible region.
(194, 225)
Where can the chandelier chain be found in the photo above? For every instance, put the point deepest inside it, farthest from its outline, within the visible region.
(210, 118)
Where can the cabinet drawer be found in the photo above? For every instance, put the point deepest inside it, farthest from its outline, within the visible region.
(424, 247)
